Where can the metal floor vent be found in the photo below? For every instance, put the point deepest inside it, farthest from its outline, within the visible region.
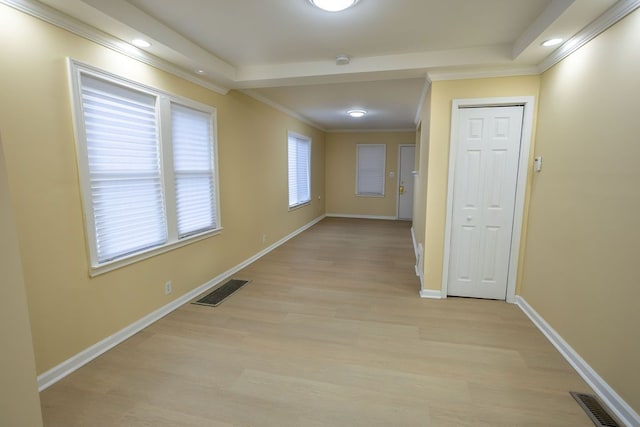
(221, 293)
(594, 409)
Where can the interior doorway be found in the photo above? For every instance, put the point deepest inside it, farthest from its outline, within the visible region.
(488, 167)
(406, 167)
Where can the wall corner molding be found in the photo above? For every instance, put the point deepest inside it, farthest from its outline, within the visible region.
(611, 16)
(423, 97)
(618, 406)
(420, 264)
(418, 250)
(415, 243)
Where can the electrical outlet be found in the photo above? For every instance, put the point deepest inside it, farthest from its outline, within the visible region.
(168, 288)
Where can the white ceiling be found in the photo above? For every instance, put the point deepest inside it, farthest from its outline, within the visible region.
(283, 51)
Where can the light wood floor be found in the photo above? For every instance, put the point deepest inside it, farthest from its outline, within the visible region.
(330, 332)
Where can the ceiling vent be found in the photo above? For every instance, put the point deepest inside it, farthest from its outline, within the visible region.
(342, 59)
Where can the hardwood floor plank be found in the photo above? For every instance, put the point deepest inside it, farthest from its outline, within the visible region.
(330, 332)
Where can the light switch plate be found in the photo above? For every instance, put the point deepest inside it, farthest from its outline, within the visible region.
(537, 164)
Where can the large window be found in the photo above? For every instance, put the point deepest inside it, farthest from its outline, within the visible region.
(147, 164)
(370, 169)
(299, 149)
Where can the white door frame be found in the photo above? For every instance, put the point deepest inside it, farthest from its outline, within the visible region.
(398, 177)
(521, 186)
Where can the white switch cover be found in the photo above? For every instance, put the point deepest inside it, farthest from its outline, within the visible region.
(392, 174)
(537, 164)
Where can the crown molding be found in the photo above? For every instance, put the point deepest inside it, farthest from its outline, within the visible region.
(55, 17)
(370, 130)
(48, 14)
(614, 14)
(253, 94)
(436, 76)
(550, 14)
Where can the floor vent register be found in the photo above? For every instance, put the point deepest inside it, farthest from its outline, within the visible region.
(594, 409)
(220, 294)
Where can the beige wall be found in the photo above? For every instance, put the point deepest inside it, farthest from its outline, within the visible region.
(578, 270)
(422, 167)
(442, 95)
(70, 311)
(582, 251)
(341, 173)
(19, 400)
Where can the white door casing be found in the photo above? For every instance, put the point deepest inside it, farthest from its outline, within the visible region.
(484, 215)
(406, 166)
(483, 201)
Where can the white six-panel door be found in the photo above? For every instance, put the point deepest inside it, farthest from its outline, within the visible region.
(484, 192)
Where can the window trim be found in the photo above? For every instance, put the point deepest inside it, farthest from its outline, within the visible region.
(310, 141)
(384, 171)
(163, 114)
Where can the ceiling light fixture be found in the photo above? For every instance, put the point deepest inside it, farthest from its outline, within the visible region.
(333, 5)
(140, 43)
(357, 113)
(201, 72)
(551, 42)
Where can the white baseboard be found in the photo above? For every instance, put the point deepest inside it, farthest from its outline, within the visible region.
(430, 294)
(337, 215)
(416, 253)
(60, 371)
(618, 406)
(415, 243)
(420, 264)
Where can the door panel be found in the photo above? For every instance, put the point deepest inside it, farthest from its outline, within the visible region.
(470, 191)
(465, 258)
(484, 192)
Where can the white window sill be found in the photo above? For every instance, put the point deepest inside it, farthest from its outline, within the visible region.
(106, 267)
(298, 206)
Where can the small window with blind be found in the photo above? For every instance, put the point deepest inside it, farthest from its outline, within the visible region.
(370, 170)
(299, 165)
(147, 162)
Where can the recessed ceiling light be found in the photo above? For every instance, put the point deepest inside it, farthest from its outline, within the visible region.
(201, 72)
(357, 113)
(551, 42)
(140, 43)
(333, 5)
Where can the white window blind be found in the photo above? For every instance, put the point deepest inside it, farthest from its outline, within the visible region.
(299, 154)
(370, 169)
(147, 162)
(124, 168)
(193, 170)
